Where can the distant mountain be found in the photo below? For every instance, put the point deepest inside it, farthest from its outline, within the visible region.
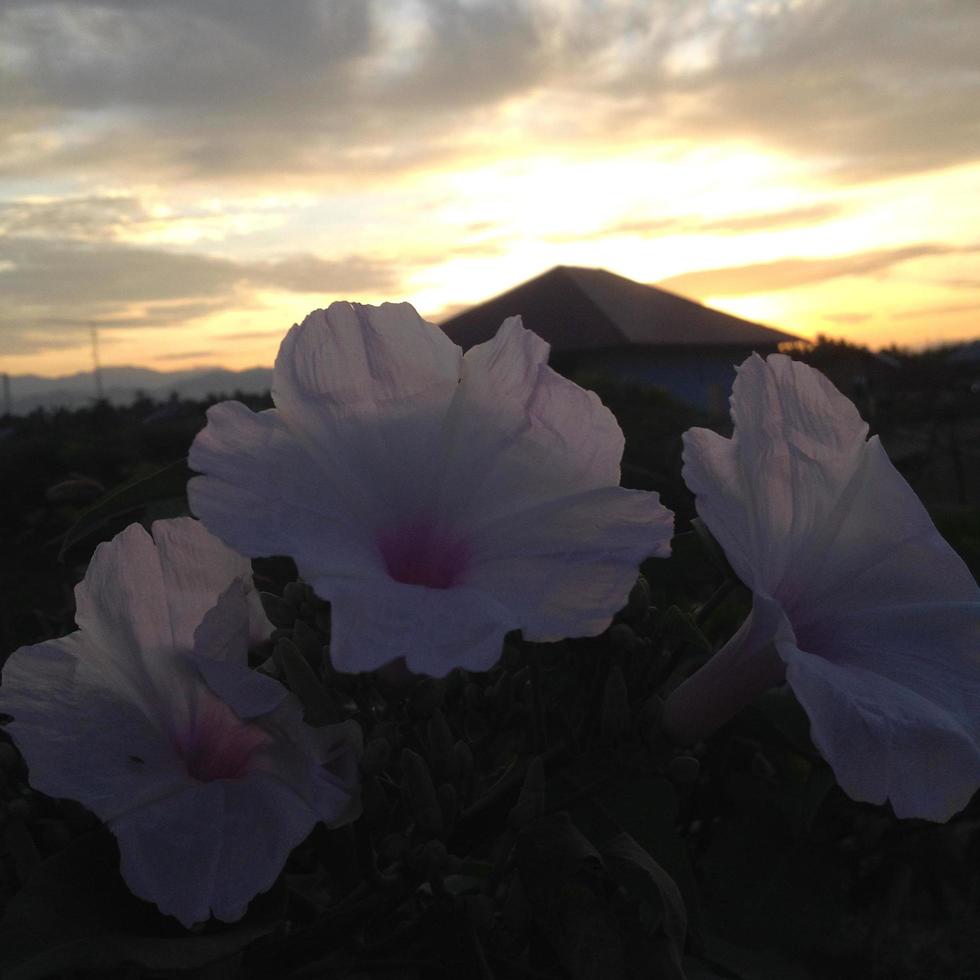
(122, 385)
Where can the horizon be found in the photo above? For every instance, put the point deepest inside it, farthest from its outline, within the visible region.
(192, 180)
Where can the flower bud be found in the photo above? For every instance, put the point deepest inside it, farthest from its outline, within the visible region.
(434, 858)
(377, 755)
(9, 756)
(295, 594)
(532, 800)
(280, 613)
(420, 794)
(426, 696)
(615, 719)
(309, 642)
(683, 769)
(502, 694)
(449, 804)
(462, 763)
(649, 724)
(440, 742)
(620, 636)
(374, 801)
(638, 603)
(319, 708)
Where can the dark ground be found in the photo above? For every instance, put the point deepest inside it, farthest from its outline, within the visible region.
(788, 878)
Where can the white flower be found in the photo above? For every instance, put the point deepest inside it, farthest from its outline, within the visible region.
(149, 716)
(858, 602)
(438, 501)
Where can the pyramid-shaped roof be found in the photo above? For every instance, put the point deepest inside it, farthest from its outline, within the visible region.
(574, 309)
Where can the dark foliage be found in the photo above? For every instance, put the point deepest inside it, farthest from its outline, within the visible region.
(529, 822)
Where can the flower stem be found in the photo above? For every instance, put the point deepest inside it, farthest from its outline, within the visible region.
(745, 667)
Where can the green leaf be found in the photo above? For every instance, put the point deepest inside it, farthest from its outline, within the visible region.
(785, 716)
(319, 708)
(680, 626)
(614, 720)
(634, 869)
(533, 799)
(560, 874)
(166, 486)
(768, 890)
(645, 807)
(750, 964)
(711, 548)
(76, 913)
(420, 794)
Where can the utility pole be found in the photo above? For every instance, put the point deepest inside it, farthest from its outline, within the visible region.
(8, 404)
(96, 366)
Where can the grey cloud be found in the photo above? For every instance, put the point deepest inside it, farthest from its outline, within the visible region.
(948, 309)
(179, 55)
(92, 217)
(694, 224)
(764, 277)
(343, 87)
(872, 89)
(52, 289)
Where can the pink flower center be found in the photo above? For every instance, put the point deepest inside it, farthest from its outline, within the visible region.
(217, 744)
(421, 553)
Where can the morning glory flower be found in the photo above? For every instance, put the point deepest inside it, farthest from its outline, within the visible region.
(149, 715)
(437, 500)
(858, 603)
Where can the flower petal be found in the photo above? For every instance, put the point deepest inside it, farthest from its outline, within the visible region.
(222, 634)
(220, 657)
(518, 433)
(170, 851)
(435, 630)
(197, 568)
(337, 788)
(264, 494)
(794, 427)
(713, 474)
(564, 568)
(744, 668)
(365, 389)
(882, 632)
(264, 820)
(121, 606)
(213, 847)
(320, 765)
(883, 550)
(884, 740)
(81, 742)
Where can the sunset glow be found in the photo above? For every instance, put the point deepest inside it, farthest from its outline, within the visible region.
(193, 180)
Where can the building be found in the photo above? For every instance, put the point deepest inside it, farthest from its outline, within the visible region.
(601, 324)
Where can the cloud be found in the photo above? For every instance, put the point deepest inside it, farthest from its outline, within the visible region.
(81, 217)
(51, 289)
(362, 88)
(252, 334)
(847, 318)
(764, 277)
(947, 309)
(773, 220)
(695, 224)
(184, 355)
(863, 90)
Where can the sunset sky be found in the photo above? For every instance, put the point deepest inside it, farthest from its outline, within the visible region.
(193, 176)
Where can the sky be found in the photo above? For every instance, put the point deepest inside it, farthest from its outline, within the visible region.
(194, 176)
